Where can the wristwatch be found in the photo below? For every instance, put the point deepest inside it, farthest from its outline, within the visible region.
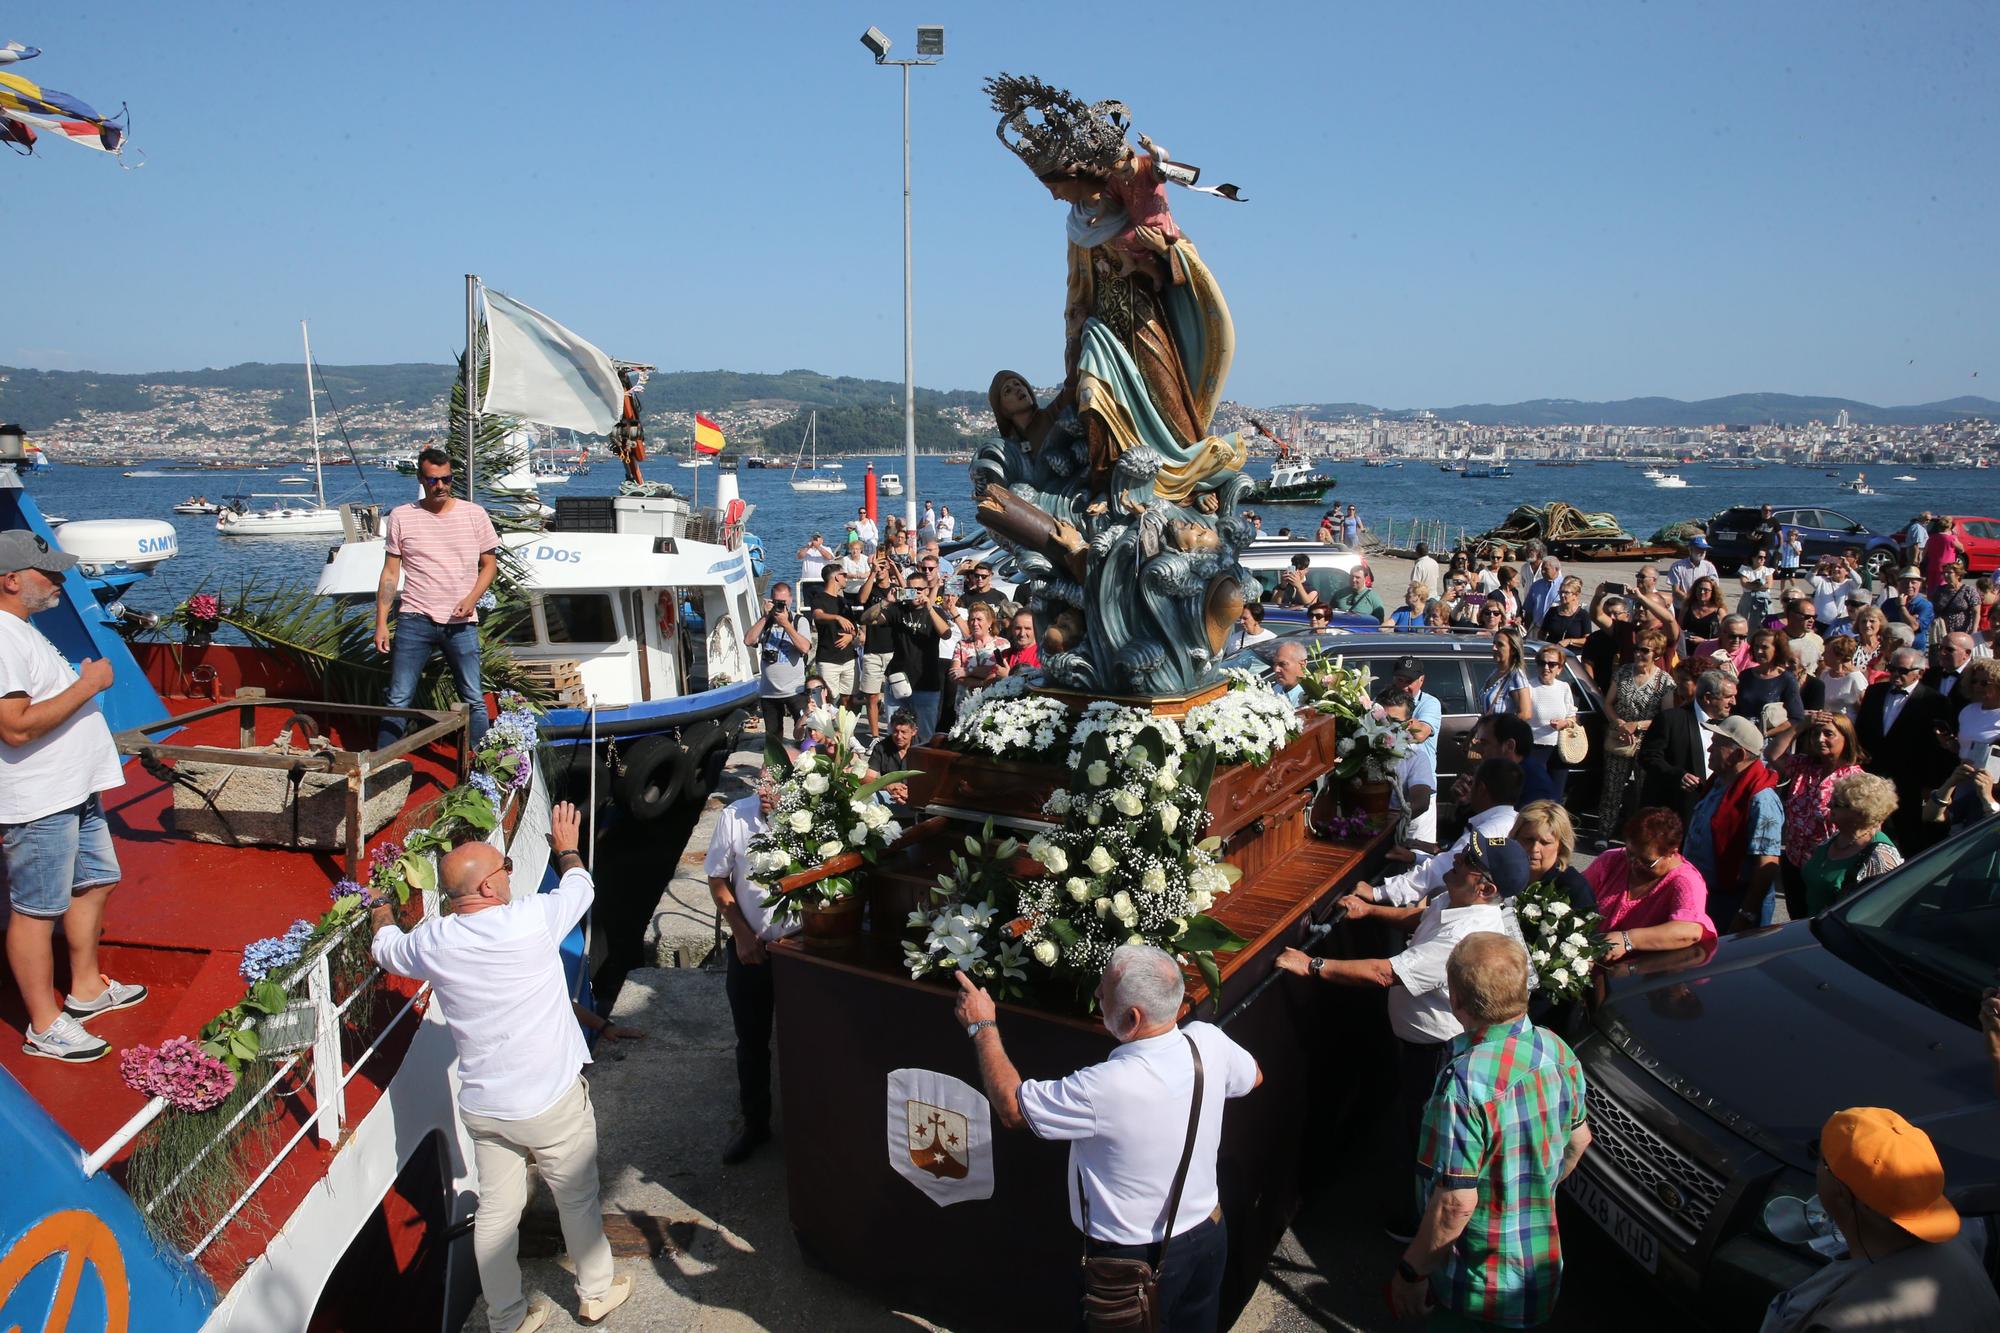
(1407, 1273)
(972, 1029)
(1315, 965)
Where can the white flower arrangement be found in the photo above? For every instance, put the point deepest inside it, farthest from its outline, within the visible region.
(1372, 748)
(1559, 939)
(824, 809)
(1126, 864)
(1331, 686)
(1247, 724)
(1012, 724)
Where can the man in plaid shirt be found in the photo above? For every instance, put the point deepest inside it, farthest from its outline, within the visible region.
(1504, 1125)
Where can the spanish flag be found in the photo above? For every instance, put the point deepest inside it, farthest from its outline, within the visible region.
(707, 435)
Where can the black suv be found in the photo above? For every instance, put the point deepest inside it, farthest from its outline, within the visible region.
(1709, 1077)
(1734, 533)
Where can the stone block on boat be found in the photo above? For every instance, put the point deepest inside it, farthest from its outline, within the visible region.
(259, 806)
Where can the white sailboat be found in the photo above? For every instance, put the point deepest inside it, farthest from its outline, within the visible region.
(815, 481)
(293, 517)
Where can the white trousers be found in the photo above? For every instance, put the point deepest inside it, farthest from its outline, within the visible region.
(562, 1143)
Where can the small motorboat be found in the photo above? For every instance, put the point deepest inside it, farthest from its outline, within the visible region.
(889, 483)
(197, 506)
(1859, 486)
(1670, 481)
(1903, 477)
(1652, 474)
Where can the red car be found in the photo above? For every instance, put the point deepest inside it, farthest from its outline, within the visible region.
(1982, 541)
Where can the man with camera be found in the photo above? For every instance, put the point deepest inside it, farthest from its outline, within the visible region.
(781, 638)
(916, 626)
(879, 587)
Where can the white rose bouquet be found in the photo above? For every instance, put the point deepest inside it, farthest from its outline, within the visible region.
(827, 807)
(1562, 942)
(1126, 865)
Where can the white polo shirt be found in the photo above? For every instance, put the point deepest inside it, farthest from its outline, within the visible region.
(1419, 1004)
(729, 858)
(66, 765)
(1414, 886)
(498, 976)
(1126, 1122)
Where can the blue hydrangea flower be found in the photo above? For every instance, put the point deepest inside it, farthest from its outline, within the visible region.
(274, 952)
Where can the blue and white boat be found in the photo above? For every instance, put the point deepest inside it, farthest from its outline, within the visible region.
(640, 628)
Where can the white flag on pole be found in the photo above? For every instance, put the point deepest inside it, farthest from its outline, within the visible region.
(542, 372)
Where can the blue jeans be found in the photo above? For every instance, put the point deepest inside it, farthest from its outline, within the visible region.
(418, 639)
(52, 859)
(924, 703)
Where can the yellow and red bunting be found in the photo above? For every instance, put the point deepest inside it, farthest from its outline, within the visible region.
(707, 435)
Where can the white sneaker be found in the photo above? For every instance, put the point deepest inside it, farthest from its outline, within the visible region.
(65, 1039)
(117, 995)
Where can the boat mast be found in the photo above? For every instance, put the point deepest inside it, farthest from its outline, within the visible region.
(312, 408)
(472, 379)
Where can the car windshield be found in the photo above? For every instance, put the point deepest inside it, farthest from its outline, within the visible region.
(1930, 928)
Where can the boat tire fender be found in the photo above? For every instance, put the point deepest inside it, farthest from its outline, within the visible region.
(656, 775)
(708, 746)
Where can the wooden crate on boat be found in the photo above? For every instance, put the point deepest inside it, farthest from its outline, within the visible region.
(561, 681)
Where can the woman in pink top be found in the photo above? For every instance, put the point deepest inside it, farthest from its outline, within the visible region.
(976, 661)
(1647, 893)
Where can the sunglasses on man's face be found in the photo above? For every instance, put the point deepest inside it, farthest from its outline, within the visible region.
(444, 480)
(1550, 664)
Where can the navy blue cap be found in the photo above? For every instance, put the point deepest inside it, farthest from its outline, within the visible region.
(1502, 859)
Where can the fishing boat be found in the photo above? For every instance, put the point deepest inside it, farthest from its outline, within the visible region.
(1670, 481)
(889, 483)
(815, 482)
(291, 518)
(1491, 469)
(1292, 480)
(339, 1209)
(197, 505)
(1859, 486)
(637, 609)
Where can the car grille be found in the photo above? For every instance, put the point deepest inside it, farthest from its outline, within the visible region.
(1670, 1181)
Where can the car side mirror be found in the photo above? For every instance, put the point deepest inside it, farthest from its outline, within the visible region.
(1856, 527)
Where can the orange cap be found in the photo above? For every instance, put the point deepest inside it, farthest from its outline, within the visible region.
(1890, 1165)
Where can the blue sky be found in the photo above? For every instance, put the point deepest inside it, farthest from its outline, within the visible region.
(1448, 202)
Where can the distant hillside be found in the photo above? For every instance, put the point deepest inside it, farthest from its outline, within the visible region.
(1741, 409)
(40, 398)
(863, 430)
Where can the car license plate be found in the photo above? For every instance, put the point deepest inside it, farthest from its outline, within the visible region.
(1614, 1221)
(1725, 534)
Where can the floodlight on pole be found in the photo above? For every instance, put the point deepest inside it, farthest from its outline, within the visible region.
(930, 49)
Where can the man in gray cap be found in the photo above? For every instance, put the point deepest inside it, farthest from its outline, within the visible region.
(56, 755)
(1737, 831)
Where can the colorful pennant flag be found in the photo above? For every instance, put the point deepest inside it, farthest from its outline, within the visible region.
(707, 435)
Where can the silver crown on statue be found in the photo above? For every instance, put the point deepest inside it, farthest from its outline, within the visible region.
(1054, 131)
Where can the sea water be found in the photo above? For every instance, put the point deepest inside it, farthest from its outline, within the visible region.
(786, 519)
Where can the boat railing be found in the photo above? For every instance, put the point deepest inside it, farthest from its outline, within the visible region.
(715, 528)
(308, 1032)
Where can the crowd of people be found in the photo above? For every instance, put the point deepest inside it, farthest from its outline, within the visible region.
(888, 617)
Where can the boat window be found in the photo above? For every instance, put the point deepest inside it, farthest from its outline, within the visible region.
(579, 617)
(515, 629)
(1937, 918)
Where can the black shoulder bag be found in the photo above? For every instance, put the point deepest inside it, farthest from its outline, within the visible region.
(1124, 1294)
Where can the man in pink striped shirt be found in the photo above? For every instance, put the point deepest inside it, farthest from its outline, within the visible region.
(443, 552)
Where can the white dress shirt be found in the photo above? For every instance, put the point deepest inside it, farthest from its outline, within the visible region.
(729, 858)
(1419, 1004)
(1701, 721)
(1893, 704)
(1414, 886)
(498, 977)
(1425, 571)
(1126, 1122)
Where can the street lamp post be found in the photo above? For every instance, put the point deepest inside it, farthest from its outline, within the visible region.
(930, 49)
